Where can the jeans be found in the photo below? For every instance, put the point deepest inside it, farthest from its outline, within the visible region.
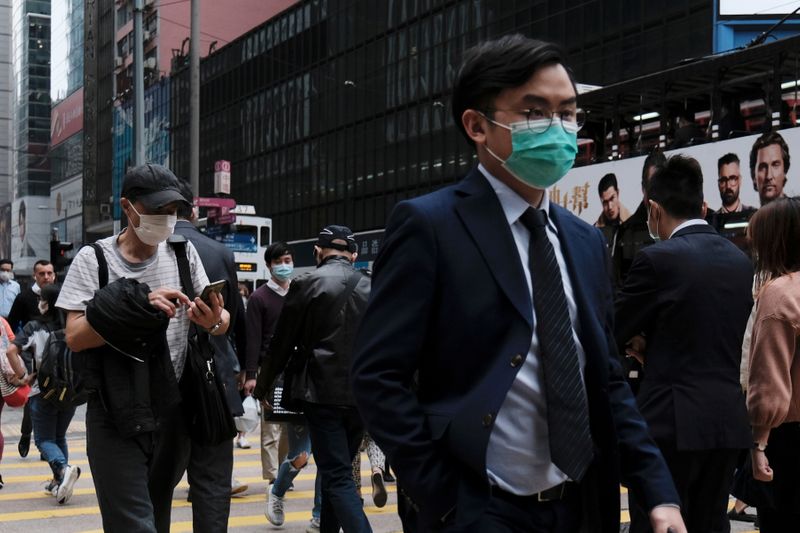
(336, 434)
(299, 443)
(50, 429)
(209, 471)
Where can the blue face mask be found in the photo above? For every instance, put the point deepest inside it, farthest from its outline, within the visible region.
(282, 271)
(540, 159)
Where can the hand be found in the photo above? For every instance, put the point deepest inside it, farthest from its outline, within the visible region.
(266, 406)
(667, 519)
(164, 297)
(761, 469)
(204, 315)
(635, 348)
(249, 385)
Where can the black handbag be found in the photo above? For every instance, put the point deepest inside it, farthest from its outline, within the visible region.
(209, 418)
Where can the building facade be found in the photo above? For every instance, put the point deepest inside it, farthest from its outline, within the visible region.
(30, 214)
(6, 139)
(335, 110)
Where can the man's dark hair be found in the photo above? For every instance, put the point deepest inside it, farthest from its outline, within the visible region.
(185, 211)
(40, 262)
(491, 66)
(609, 180)
(7, 262)
(677, 186)
(654, 159)
(772, 137)
(276, 250)
(727, 159)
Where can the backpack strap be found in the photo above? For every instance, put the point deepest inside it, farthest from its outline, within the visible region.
(352, 281)
(102, 264)
(178, 243)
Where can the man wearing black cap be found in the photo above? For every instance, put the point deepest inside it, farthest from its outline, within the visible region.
(312, 346)
(135, 431)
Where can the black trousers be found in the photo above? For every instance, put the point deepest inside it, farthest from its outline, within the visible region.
(210, 470)
(702, 478)
(135, 477)
(783, 452)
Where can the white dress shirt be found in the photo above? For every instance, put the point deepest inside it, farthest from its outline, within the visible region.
(687, 223)
(518, 455)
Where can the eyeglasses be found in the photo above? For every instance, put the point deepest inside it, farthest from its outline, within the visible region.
(540, 120)
(728, 180)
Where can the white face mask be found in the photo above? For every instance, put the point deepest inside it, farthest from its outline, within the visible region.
(154, 229)
(5, 277)
(43, 308)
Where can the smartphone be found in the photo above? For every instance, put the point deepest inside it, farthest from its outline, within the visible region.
(217, 287)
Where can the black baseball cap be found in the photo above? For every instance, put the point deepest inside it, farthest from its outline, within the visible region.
(153, 185)
(337, 237)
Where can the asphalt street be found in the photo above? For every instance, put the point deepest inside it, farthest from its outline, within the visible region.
(25, 507)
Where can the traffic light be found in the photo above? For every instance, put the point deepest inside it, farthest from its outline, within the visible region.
(58, 254)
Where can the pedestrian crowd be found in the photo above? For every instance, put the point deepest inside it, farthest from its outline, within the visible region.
(511, 364)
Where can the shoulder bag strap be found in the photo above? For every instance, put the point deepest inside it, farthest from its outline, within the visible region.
(184, 271)
(102, 264)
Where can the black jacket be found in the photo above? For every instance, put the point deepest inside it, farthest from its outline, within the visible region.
(24, 309)
(691, 296)
(137, 385)
(322, 331)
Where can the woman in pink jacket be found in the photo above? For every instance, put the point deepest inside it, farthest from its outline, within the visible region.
(773, 395)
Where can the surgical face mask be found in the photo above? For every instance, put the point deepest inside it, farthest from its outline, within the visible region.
(540, 159)
(5, 276)
(43, 308)
(282, 271)
(154, 229)
(655, 235)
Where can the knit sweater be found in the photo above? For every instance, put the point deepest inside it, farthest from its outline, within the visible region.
(773, 393)
(263, 309)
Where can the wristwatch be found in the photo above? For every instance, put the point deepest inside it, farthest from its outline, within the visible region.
(760, 447)
(214, 328)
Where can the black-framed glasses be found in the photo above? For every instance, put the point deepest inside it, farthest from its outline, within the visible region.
(728, 180)
(539, 120)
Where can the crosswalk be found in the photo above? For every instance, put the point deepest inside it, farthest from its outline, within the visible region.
(25, 507)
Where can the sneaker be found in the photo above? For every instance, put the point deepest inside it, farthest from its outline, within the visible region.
(24, 445)
(237, 487)
(1, 482)
(378, 489)
(242, 442)
(51, 488)
(274, 510)
(70, 476)
(313, 526)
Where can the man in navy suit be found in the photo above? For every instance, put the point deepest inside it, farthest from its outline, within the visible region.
(485, 365)
(682, 312)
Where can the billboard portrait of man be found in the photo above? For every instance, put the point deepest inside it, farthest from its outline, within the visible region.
(729, 181)
(769, 163)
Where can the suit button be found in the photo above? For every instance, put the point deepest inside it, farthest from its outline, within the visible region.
(516, 361)
(487, 420)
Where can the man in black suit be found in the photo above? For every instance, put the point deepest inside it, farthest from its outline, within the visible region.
(683, 311)
(210, 468)
(485, 365)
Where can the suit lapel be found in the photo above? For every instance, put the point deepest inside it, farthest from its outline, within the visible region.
(482, 215)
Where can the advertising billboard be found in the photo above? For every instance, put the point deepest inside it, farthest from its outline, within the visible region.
(577, 191)
(66, 119)
(30, 231)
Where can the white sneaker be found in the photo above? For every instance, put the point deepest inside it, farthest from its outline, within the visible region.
(275, 509)
(64, 490)
(313, 526)
(237, 487)
(242, 442)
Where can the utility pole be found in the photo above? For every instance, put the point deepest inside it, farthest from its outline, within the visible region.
(194, 99)
(138, 83)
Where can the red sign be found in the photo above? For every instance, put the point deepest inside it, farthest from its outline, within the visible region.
(203, 201)
(66, 119)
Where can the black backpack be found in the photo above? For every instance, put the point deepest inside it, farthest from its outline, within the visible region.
(59, 379)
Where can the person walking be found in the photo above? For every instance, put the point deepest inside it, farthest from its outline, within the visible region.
(773, 391)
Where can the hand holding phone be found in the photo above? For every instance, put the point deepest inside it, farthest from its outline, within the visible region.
(217, 287)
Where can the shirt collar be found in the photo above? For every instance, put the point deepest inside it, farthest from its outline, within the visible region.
(36, 289)
(687, 223)
(512, 203)
(280, 291)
